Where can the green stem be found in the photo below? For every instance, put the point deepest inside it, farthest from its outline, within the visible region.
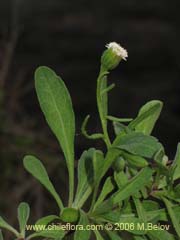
(71, 189)
(102, 103)
(102, 115)
(94, 197)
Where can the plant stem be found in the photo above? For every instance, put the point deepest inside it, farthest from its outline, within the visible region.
(94, 197)
(101, 108)
(71, 188)
(102, 104)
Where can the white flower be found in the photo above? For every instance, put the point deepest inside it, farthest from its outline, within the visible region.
(118, 50)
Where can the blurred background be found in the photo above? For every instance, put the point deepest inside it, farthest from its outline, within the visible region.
(69, 36)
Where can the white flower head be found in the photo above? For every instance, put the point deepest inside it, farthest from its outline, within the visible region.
(118, 50)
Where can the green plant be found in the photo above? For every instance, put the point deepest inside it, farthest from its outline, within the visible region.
(140, 195)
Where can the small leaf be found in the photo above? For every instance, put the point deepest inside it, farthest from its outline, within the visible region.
(57, 234)
(150, 205)
(56, 105)
(134, 185)
(109, 88)
(121, 179)
(85, 177)
(82, 234)
(116, 119)
(4, 224)
(140, 209)
(138, 144)
(98, 163)
(162, 214)
(119, 128)
(159, 235)
(45, 220)
(23, 216)
(176, 164)
(110, 157)
(107, 188)
(147, 117)
(171, 213)
(36, 168)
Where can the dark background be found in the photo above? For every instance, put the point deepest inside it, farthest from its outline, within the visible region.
(70, 36)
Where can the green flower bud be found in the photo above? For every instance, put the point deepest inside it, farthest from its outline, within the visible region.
(113, 55)
(135, 161)
(69, 215)
(119, 164)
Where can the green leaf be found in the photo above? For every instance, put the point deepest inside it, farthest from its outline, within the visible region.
(110, 216)
(138, 144)
(150, 205)
(85, 177)
(107, 188)
(23, 216)
(45, 220)
(5, 225)
(171, 213)
(82, 234)
(159, 235)
(116, 119)
(98, 163)
(140, 209)
(36, 168)
(177, 190)
(147, 117)
(110, 157)
(119, 128)
(109, 88)
(57, 234)
(176, 164)
(98, 235)
(121, 179)
(134, 185)
(56, 105)
(162, 214)
(115, 216)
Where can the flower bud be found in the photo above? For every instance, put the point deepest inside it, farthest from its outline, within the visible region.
(119, 164)
(113, 55)
(69, 215)
(134, 160)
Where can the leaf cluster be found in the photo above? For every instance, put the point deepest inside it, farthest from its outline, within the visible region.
(143, 187)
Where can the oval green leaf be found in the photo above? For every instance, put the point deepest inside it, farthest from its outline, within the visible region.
(56, 105)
